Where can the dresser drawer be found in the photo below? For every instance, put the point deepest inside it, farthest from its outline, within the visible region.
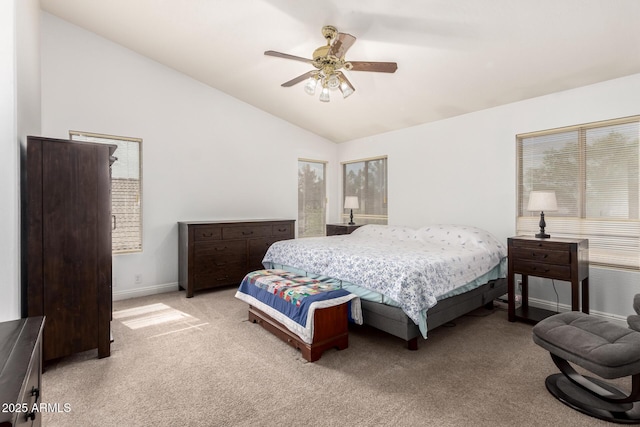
(540, 244)
(282, 230)
(554, 271)
(207, 233)
(31, 395)
(220, 252)
(541, 255)
(246, 232)
(219, 277)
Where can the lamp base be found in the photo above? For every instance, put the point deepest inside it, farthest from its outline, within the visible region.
(543, 224)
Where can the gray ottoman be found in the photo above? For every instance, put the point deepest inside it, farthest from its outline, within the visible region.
(604, 348)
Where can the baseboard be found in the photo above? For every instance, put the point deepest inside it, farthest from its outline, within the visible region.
(549, 305)
(147, 290)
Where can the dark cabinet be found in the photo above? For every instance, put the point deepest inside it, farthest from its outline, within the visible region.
(213, 254)
(68, 238)
(21, 372)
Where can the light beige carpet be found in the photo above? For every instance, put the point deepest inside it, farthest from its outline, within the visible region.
(199, 362)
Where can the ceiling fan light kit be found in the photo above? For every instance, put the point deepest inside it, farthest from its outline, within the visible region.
(328, 61)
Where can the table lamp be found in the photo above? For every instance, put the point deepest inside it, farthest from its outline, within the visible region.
(542, 201)
(351, 202)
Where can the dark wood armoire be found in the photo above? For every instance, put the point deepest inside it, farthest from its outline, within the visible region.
(68, 239)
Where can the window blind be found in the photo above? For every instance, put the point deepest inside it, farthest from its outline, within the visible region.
(311, 198)
(367, 180)
(593, 169)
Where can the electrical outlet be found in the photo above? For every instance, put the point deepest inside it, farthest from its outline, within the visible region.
(137, 279)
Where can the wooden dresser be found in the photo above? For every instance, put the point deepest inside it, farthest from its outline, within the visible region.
(221, 253)
(21, 371)
(68, 242)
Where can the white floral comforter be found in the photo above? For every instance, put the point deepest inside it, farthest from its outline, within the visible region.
(412, 267)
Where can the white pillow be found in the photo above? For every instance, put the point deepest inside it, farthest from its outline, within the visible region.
(385, 232)
(458, 235)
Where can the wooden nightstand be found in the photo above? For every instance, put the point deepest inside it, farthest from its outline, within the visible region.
(335, 229)
(554, 258)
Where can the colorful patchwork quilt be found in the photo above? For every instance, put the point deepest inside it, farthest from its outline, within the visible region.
(292, 299)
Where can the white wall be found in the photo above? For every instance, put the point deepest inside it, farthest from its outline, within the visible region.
(19, 115)
(9, 175)
(463, 170)
(206, 156)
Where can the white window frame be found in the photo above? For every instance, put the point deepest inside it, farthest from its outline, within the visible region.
(360, 216)
(614, 238)
(123, 241)
(303, 231)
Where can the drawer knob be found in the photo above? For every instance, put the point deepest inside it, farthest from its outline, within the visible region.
(247, 233)
(207, 234)
(539, 255)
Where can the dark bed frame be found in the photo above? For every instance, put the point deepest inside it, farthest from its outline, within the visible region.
(395, 322)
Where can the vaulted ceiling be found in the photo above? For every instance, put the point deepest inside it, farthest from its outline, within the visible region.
(454, 57)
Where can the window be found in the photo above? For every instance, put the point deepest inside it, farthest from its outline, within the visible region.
(126, 190)
(367, 180)
(311, 198)
(594, 171)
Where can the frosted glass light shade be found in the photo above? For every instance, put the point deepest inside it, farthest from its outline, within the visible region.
(345, 89)
(324, 95)
(310, 86)
(333, 81)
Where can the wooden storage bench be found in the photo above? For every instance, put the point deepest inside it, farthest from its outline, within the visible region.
(330, 329)
(309, 313)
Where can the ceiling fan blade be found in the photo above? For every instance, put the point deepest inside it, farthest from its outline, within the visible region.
(341, 44)
(298, 79)
(380, 67)
(287, 56)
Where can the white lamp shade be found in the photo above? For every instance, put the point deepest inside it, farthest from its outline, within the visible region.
(542, 201)
(351, 202)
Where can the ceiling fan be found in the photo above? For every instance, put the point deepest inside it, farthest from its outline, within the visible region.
(328, 61)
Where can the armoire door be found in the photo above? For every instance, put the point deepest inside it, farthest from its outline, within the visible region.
(75, 247)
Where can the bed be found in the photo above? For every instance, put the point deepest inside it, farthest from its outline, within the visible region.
(409, 281)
